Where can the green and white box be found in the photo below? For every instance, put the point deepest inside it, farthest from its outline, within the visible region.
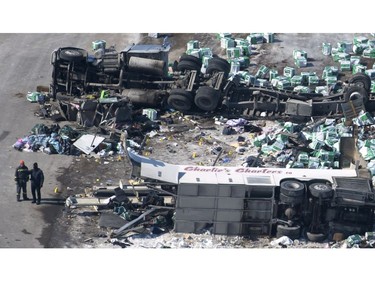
(358, 68)
(326, 49)
(225, 35)
(359, 48)
(235, 66)
(345, 46)
(313, 80)
(192, 44)
(299, 53)
(341, 56)
(360, 40)
(205, 60)
(206, 52)
(331, 80)
(302, 89)
(273, 73)
(289, 71)
(245, 50)
(255, 38)
(372, 88)
(321, 90)
(300, 62)
(233, 52)
(241, 42)
(284, 84)
(305, 77)
(370, 73)
(244, 61)
(330, 71)
(296, 80)
(355, 60)
(345, 65)
(268, 37)
(369, 53)
(227, 43)
(262, 71)
(194, 52)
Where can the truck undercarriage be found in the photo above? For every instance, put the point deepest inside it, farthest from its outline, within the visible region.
(140, 75)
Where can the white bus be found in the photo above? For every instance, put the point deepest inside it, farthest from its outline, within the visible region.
(314, 203)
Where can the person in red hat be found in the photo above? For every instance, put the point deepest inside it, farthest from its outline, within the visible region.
(21, 177)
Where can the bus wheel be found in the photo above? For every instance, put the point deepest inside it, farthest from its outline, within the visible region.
(292, 188)
(293, 232)
(316, 237)
(320, 190)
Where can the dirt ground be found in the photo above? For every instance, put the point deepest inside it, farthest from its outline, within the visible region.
(193, 145)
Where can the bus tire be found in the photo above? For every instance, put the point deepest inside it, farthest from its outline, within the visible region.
(292, 188)
(293, 232)
(320, 190)
(315, 237)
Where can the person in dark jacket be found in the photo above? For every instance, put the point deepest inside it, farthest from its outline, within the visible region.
(37, 180)
(21, 177)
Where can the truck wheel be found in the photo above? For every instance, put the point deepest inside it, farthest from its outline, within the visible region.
(290, 199)
(218, 65)
(315, 237)
(355, 92)
(188, 65)
(293, 232)
(361, 80)
(207, 98)
(320, 190)
(292, 188)
(72, 54)
(180, 100)
(186, 57)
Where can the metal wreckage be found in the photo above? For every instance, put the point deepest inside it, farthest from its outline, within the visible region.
(107, 89)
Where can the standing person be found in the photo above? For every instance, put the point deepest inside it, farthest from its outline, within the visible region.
(21, 177)
(37, 179)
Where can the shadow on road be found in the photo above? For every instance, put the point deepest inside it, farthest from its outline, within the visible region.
(52, 201)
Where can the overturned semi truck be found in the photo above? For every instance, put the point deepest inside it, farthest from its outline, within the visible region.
(263, 201)
(141, 75)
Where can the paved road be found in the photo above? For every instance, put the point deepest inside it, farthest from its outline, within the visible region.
(25, 63)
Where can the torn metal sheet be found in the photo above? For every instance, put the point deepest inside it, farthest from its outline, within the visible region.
(121, 229)
(83, 202)
(87, 143)
(91, 201)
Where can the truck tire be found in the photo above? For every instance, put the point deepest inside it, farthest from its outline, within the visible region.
(355, 92)
(72, 54)
(188, 65)
(186, 57)
(292, 188)
(321, 190)
(180, 100)
(207, 98)
(290, 199)
(218, 65)
(361, 80)
(293, 232)
(315, 237)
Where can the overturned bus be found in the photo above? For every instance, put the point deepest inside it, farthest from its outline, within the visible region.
(263, 201)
